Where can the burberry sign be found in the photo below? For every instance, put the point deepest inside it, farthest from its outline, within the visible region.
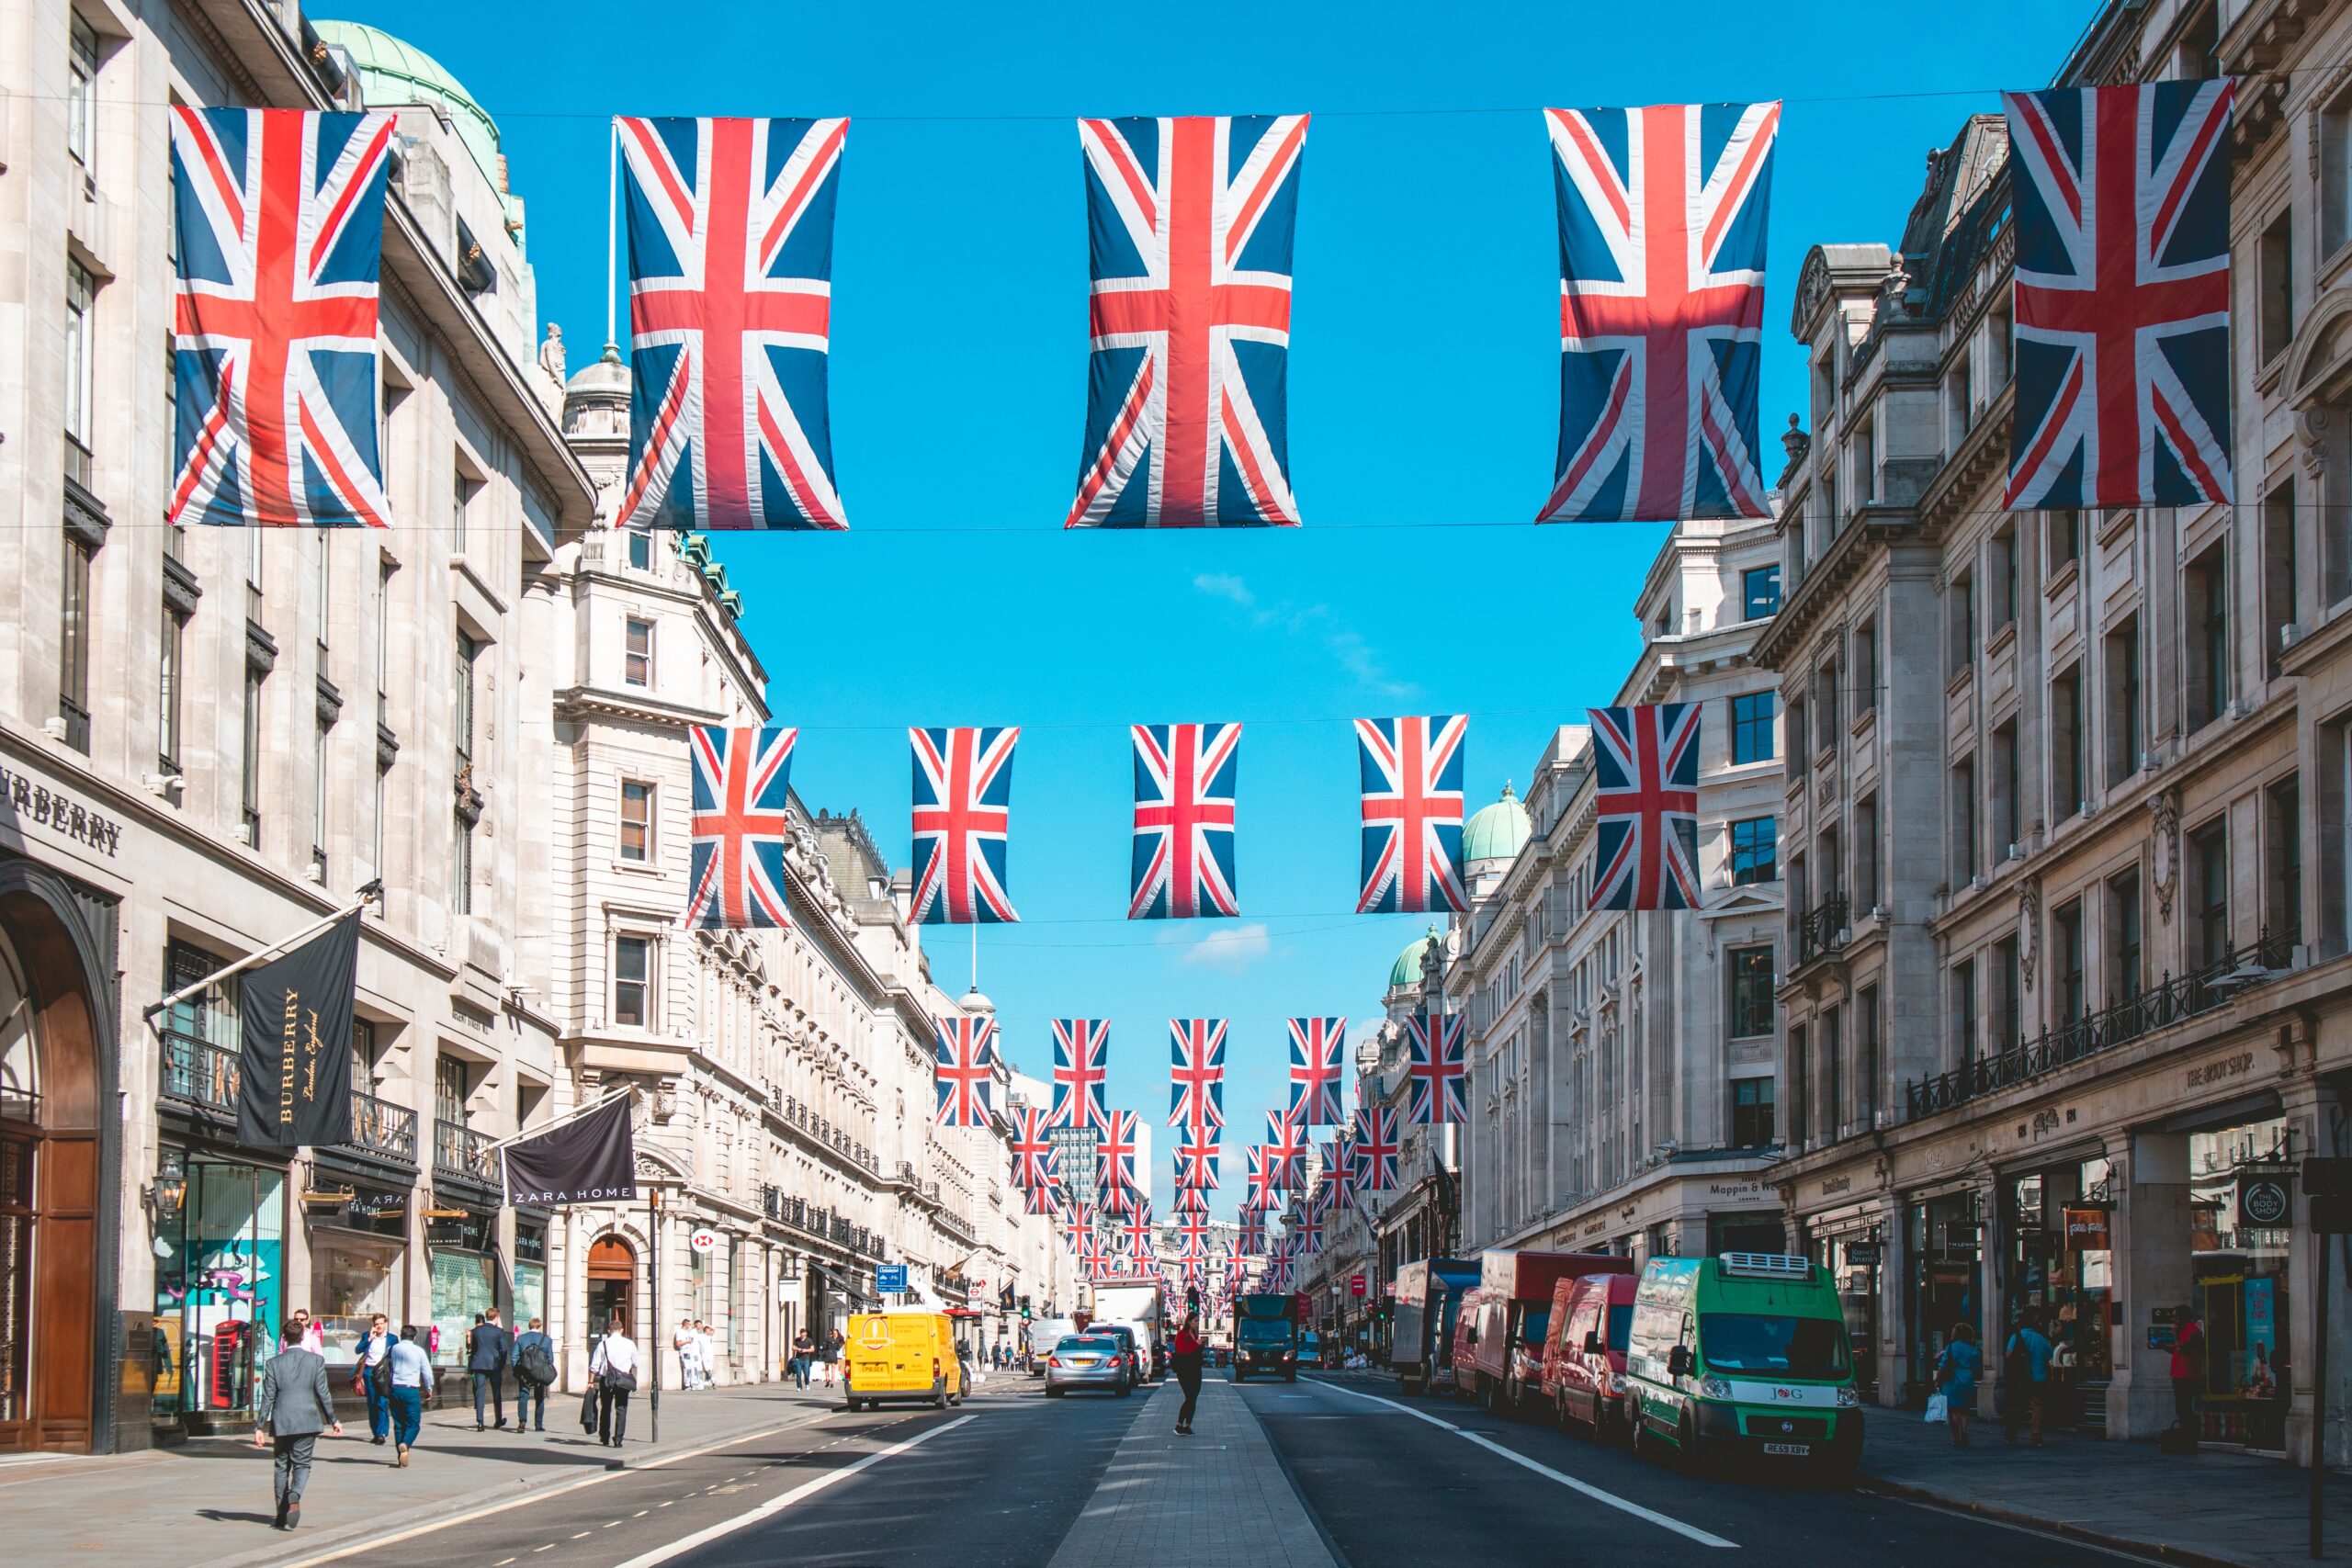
(37, 806)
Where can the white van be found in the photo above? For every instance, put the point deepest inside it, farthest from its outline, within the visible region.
(1043, 1334)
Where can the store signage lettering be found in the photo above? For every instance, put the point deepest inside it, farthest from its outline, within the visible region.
(2265, 1199)
(1594, 1227)
(1734, 1189)
(1832, 1186)
(2046, 1123)
(2221, 1069)
(58, 812)
(2086, 1230)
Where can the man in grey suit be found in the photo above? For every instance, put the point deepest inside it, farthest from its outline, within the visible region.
(295, 1406)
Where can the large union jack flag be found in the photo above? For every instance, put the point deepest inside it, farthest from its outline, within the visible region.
(963, 807)
(2122, 203)
(1315, 1070)
(280, 216)
(1662, 219)
(1135, 1231)
(1182, 862)
(1196, 1072)
(1190, 225)
(1114, 1155)
(1196, 1162)
(742, 792)
(1374, 1149)
(1080, 1071)
(1646, 793)
(1077, 1227)
(1412, 814)
(730, 266)
(1439, 1070)
(967, 1056)
(1033, 1166)
(1285, 1152)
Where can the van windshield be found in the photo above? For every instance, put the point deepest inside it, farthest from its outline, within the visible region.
(1264, 1331)
(1532, 1327)
(1794, 1347)
(1620, 1326)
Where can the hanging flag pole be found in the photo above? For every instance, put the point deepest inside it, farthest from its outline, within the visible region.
(612, 230)
(572, 1115)
(367, 895)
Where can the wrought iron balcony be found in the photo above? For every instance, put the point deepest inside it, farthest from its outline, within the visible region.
(460, 1151)
(200, 1074)
(2173, 1000)
(1822, 929)
(380, 1127)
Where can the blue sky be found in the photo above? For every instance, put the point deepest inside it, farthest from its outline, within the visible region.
(1423, 409)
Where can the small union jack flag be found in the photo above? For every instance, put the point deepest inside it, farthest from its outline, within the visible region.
(1437, 1072)
(1307, 1232)
(1192, 1231)
(966, 1060)
(1119, 1198)
(1034, 1163)
(1662, 222)
(1338, 1174)
(1262, 1185)
(963, 806)
(1114, 1153)
(1646, 796)
(1196, 1160)
(1375, 1149)
(281, 228)
(1315, 1070)
(731, 262)
(1412, 814)
(1191, 225)
(1185, 779)
(1191, 1200)
(1077, 1228)
(2121, 198)
(1285, 1152)
(1196, 1072)
(1042, 1199)
(1136, 1231)
(1080, 1071)
(742, 791)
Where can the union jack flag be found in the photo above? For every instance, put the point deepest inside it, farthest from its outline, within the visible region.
(1190, 222)
(1196, 1072)
(1412, 814)
(2121, 198)
(1193, 1231)
(1438, 1072)
(1080, 1071)
(1662, 219)
(1645, 795)
(1114, 1153)
(1183, 863)
(1315, 1070)
(1262, 1185)
(966, 1055)
(280, 224)
(1077, 1227)
(1191, 1200)
(1119, 1198)
(1042, 1199)
(1197, 1160)
(1375, 1149)
(1306, 1232)
(730, 266)
(741, 791)
(1249, 1238)
(963, 806)
(1034, 1165)
(1285, 1152)
(1136, 1231)
(1339, 1175)
(1093, 1260)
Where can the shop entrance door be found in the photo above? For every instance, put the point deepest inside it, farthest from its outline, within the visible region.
(611, 1282)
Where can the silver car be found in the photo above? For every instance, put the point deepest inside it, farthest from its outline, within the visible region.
(1086, 1361)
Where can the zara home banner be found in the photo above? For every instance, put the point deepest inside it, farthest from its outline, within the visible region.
(590, 1159)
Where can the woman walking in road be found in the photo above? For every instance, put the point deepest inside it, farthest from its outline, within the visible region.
(1186, 1359)
(1956, 1372)
(613, 1366)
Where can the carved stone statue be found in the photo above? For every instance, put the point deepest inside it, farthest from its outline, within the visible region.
(2166, 812)
(552, 354)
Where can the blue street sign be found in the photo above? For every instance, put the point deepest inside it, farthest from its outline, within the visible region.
(890, 1278)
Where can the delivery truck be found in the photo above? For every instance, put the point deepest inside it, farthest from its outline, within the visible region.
(1513, 1308)
(1428, 1294)
(1138, 1306)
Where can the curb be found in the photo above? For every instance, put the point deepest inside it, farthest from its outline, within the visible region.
(2157, 1551)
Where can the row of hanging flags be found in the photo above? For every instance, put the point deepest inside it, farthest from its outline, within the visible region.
(1361, 1158)
(2120, 196)
(1186, 787)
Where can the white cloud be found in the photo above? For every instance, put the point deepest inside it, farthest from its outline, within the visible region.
(1229, 948)
(1317, 623)
(1223, 585)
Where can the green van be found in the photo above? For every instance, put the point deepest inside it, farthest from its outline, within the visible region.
(1744, 1352)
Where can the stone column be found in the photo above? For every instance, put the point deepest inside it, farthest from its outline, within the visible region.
(2151, 1224)
(1894, 1303)
(2313, 1111)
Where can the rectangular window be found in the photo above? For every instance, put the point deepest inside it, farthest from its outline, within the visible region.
(376, 819)
(461, 507)
(1833, 1073)
(168, 706)
(1751, 1112)
(2336, 174)
(637, 658)
(1755, 848)
(2123, 718)
(1800, 1071)
(81, 371)
(1751, 728)
(1960, 608)
(2063, 530)
(449, 1090)
(1865, 675)
(2283, 836)
(1759, 588)
(251, 760)
(2125, 977)
(1963, 1011)
(640, 550)
(2207, 589)
(633, 982)
(2209, 881)
(1751, 991)
(1865, 855)
(74, 644)
(2008, 814)
(319, 748)
(2012, 999)
(82, 93)
(2005, 564)
(2279, 572)
(462, 714)
(2068, 997)
(637, 820)
(2070, 784)
(2000, 332)
(2275, 297)
(383, 643)
(1866, 1051)
(1825, 705)
(1963, 823)
(1959, 397)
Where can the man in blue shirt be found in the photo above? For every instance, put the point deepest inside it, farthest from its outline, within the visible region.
(2025, 1375)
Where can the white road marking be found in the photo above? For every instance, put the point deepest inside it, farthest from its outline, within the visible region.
(774, 1506)
(1609, 1500)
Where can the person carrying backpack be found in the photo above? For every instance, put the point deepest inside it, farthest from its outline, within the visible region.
(533, 1376)
(2025, 1376)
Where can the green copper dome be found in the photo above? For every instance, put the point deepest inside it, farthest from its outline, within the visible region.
(1498, 833)
(392, 72)
(1407, 970)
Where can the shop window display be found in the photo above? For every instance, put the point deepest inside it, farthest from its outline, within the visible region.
(2240, 1274)
(220, 1293)
(464, 1283)
(1945, 1240)
(2059, 1266)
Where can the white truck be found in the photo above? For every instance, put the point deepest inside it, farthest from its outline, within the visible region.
(1043, 1334)
(1138, 1307)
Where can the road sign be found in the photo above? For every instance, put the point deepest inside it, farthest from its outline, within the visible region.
(1355, 1284)
(890, 1278)
(703, 1239)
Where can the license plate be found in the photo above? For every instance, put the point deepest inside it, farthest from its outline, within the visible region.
(1796, 1451)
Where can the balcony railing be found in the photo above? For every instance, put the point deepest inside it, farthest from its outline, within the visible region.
(1822, 929)
(198, 1073)
(2172, 1002)
(460, 1151)
(380, 1127)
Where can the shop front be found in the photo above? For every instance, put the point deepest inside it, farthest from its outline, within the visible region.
(2238, 1269)
(530, 1266)
(219, 1287)
(2058, 1265)
(1849, 1244)
(358, 1241)
(461, 1245)
(1944, 1242)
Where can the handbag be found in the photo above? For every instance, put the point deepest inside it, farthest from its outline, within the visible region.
(619, 1380)
(1939, 1408)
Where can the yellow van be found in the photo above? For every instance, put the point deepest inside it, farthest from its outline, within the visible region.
(906, 1355)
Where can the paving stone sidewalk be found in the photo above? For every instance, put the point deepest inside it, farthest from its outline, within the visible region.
(2212, 1507)
(1217, 1496)
(208, 1500)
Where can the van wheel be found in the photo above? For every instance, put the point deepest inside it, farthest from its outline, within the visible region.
(1486, 1394)
(1560, 1409)
(939, 1400)
(1686, 1437)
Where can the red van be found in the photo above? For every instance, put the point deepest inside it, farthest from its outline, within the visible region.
(1509, 1328)
(1464, 1359)
(1584, 1361)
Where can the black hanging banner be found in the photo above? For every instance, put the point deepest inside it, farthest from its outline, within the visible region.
(295, 1083)
(590, 1159)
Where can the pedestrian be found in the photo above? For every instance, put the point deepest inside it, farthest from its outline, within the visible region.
(294, 1406)
(374, 1346)
(804, 1350)
(534, 1373)
(705, 1354)
(2188, 1377)
(314, 1333)
(490, 1350)
(1956, 1372)
(613, 1368)
(408, 1388)
(683, 1342)
(2025, 1376)
(1185, 1355)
